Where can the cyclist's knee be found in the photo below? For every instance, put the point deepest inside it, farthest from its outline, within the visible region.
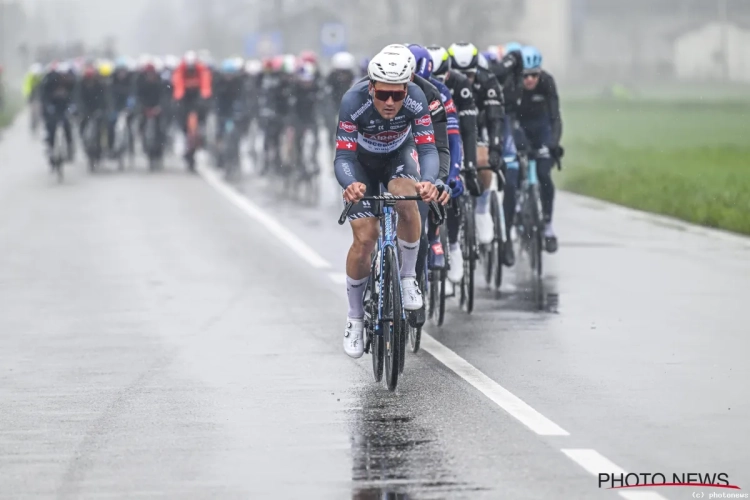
(365, 232)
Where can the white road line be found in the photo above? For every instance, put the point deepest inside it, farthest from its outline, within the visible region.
(251, 209)
(596, 463)
(338, 278)
(498, 394)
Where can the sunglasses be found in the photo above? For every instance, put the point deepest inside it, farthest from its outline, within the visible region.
(384, 95)
(531, 75)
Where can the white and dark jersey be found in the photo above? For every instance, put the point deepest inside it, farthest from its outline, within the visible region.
(362, 131)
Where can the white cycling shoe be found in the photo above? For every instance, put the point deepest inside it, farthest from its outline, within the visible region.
(456, 271)
(354, 343)
(485, 228)
(412, 294)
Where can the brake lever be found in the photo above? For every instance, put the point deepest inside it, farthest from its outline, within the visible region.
(345, 213)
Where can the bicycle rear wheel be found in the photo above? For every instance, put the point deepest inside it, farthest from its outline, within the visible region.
(496, 209)
(393, 308)
(469, 249)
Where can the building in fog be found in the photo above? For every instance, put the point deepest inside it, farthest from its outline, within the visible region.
(715, 51)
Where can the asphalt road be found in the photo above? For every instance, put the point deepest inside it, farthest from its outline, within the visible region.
(158, 340)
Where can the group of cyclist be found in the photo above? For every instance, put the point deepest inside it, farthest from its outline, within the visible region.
(425, 120)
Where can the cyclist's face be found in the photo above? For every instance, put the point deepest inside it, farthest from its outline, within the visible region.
(530, 80)
(390, 107)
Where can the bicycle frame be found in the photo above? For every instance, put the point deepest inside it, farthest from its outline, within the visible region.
(386, 239)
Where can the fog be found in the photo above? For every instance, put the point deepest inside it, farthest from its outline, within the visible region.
(582, 40)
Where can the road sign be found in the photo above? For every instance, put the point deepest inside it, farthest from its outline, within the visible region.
(264, 44)
(332, 38)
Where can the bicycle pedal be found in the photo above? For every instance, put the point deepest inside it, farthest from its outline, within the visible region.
(417, 318)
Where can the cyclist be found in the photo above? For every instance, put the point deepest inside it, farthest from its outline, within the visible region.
(92, 98)
(540, 127)
(150, 97)
(230, 101)
(488, 96)
(274, 104)
(191, 83)
(423, 69)
(338, 81)
(463, 99)
(122, 87)
(31, 91)
(385, 135)
(56, 94)
(507, 70)
(305, 96)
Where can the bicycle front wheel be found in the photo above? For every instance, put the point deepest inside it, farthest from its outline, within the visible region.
(393, 308)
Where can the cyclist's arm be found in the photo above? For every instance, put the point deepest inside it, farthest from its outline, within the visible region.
(467, 121)
(424, 138)
(454, 139)
(553, 103)
(345, 164)
(494, 112)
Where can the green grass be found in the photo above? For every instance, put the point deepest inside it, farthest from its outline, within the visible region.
(689, 160)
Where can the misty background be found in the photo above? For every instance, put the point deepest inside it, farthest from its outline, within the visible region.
(594, 41)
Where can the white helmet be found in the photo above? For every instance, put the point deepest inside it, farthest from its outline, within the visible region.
(253, 67)
(403, 49)
(464, 56)
(171, 61)
(190, 58)
(390, 67)
(343, 60)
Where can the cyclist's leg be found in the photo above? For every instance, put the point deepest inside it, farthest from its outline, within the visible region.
(540, 135)
(365, 230)
(453, 224)
(111, 123)
(403, 174)
(510, 154)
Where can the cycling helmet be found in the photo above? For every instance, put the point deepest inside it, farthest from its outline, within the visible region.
(36, 69)
(171, 61)
(441, 61)
(423, 60)
(229, 66)
(289, 63)
(390, 67)
(489, 55)
(464, 57)
(306, 72)
(190, 58)
(343, 60)
(158, 64)
(308, 56)
(404, 50)
(532, 58)
(253, 67)
(105, 69)
(511, 46)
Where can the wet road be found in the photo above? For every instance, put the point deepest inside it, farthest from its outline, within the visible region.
(159, 339)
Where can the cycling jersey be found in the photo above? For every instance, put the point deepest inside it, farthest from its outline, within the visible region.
(122, 89)
(453, 129)
(489, 99)
(363, 132)
(542, 104)
(463, 98)
(191, 83)
(507, 71)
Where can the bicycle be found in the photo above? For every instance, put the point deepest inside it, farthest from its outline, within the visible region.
(308, 170)
(152, 140)
(122, 139)
(491, 254)
(94, 138)
(193, 139)
(529, 222)
(59, 154)
(385, 317)
(228, 147)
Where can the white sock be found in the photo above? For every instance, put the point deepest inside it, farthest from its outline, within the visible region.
(483, 203)
(355, 292)
(409, 252)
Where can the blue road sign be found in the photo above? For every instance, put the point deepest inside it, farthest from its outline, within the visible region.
(332, 38)
(264, 44)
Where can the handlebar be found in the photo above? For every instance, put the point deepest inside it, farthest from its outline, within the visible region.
(436, 209)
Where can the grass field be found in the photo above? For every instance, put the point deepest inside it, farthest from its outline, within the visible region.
(689, 160)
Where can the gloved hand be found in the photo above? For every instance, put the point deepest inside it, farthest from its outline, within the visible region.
(557, 152)
(496, 159)
(471, 180)
(457, 187)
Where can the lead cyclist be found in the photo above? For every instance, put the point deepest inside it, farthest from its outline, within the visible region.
(384, 135)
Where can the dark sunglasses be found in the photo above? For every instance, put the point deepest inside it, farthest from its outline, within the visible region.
(396, 95)
(531, 75)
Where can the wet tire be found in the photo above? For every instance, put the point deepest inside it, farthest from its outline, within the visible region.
(393, 330)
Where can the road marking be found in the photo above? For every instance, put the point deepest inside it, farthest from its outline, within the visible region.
(251, 209)
(498, 394)
(338, 278)
(596, 463)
